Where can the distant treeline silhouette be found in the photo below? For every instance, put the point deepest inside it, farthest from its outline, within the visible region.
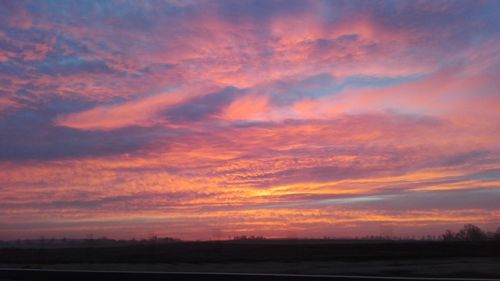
(468, 232)
(251, 237)
(85, 243)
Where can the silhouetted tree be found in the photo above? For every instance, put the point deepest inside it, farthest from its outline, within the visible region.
(496, 235)
(471, 232)
(449, 236)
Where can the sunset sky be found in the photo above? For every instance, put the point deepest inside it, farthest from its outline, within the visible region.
(211, 119)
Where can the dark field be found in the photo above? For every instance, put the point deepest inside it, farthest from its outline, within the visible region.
(253, 251)
(393, 258)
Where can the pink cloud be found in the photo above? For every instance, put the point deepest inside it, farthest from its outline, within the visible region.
(134, 113)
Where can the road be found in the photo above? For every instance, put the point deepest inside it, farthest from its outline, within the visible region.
(8, 274)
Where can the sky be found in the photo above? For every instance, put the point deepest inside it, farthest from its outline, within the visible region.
(213, 119)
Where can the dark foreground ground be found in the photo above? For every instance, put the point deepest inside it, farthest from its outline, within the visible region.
(54, 275)
(431, 259)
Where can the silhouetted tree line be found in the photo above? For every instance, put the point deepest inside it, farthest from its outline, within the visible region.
(89, 242)
(251, 237)
(470, 232)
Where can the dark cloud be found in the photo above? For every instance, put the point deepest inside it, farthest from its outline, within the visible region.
(29, 134)
(56, 143)
(203, 107)
(74, 65)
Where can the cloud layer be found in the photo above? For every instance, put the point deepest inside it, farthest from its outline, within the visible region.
(211, 119)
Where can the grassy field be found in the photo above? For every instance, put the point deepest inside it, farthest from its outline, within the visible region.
(397, 258)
